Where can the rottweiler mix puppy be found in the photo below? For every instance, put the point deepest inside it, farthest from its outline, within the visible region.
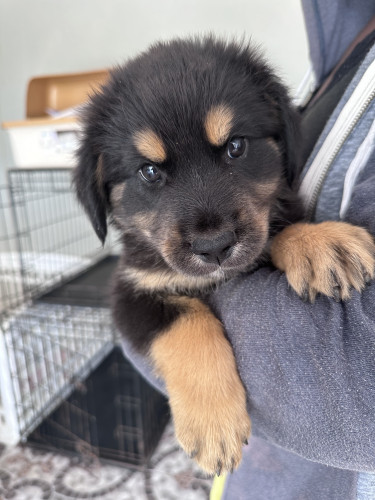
(192, 150)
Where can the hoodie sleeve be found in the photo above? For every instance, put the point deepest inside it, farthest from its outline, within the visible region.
(309, 369)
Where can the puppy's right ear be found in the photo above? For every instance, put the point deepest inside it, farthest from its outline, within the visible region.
(89, 187)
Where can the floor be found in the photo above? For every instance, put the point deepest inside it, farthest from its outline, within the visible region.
(30, 474)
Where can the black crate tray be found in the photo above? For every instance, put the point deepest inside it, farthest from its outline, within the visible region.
(91, 288)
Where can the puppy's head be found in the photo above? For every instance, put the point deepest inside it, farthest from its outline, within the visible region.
(188, 148)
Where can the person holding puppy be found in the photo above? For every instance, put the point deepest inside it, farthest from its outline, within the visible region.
(309, 368)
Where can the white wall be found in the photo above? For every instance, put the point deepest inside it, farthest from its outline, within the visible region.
(40, 37)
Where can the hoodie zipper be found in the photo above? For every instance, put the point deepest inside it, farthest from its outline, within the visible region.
(350, 115)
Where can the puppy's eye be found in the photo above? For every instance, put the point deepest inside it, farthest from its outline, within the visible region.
(150, 173)
(236, 147)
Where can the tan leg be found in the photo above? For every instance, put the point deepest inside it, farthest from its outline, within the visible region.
(207, 397)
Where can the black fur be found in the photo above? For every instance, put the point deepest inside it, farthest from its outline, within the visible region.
(202, 193)
(142, 313)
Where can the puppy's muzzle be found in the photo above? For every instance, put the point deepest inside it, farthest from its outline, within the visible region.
(215, 250)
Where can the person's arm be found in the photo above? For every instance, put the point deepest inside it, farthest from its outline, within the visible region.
(309, 369)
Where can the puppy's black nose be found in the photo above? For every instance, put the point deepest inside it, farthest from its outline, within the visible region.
(215, 250)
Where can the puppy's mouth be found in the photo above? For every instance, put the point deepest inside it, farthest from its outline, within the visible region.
(225, 259)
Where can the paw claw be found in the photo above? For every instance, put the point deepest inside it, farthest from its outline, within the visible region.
(368, 279)
(336, 294)
(305, 295)
(219, 468)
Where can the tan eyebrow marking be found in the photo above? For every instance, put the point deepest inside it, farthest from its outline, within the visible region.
(117, 193)
(218, 124)
(150, 145)
(273, 144)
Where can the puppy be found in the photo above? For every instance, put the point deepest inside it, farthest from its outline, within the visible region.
(192, 151)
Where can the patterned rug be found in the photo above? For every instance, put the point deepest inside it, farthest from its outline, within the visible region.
(31, 474)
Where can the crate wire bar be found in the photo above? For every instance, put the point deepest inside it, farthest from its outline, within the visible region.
(11, 297)
(11, 287)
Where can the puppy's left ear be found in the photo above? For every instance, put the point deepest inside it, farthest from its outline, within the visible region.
(89, 187)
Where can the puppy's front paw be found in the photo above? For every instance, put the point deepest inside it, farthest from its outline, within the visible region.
(329, 258)
(212, 427)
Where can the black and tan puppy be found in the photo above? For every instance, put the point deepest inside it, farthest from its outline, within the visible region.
(192, 149)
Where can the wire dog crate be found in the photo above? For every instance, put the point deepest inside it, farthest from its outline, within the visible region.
(64, 382)
(44, 235)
